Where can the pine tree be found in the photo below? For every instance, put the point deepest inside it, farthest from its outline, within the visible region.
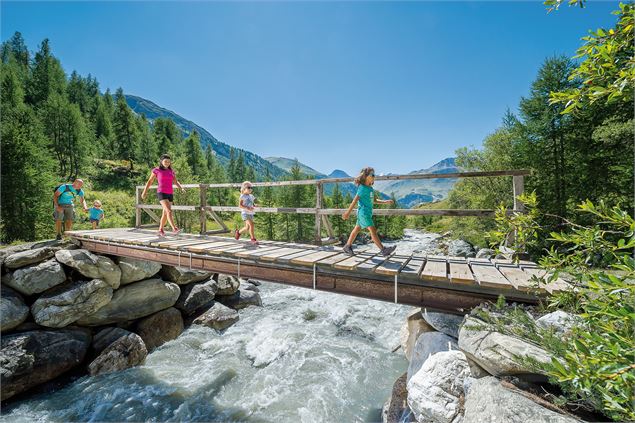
(147, 153)
(124, 129)
(47, 77)
(195, 154)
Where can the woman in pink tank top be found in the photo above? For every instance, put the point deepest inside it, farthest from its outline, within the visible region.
(165, 177)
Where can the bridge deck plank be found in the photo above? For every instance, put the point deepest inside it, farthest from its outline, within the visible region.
(352, 262)
(488, 275)
(436, 269)
(392, 265)
(460, 271)
(316, 256)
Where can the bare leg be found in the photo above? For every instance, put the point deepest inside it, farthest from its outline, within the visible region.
(58, 227)
(244, 228)
(250, 223)
(164, 215)
(353, 235)
(68, 225)
(94, 225)
(170, 215)
(375, 237)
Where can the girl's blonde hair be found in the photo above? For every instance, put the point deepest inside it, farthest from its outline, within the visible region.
(97, 203)
(244, 186)
(361, 178)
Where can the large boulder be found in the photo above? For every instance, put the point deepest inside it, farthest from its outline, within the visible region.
(246, 286)
(240, 299)
(160, 328)
(227, 284)
(134, 270)
(559, 321)
(133, 301)
(460, 248)
(427, 344)
(28, 257)
(13, 311)
(487, 401)
(183, 275)
(91, 265)
(105, 337)
(125, 352)
(434, 391)
(217, 317)
(397, 404)
(497, 353)
(196, 295)
(410, 331)
(65, 304)
(30, 358)
(443, 322)
(35, 279)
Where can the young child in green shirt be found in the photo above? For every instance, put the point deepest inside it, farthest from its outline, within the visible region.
(365, 198)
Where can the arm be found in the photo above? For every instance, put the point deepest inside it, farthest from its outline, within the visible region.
(244, 207)
(378, 201)
(103, 216)
(84, 203)
(178, 184)
(350, 208)
(56, 197)
(150, 180)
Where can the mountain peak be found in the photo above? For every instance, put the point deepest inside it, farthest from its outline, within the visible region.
(337, 173)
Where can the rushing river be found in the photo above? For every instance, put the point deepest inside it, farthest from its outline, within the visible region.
(305, 356)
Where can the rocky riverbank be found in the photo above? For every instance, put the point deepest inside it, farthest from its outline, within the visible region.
(67, 311)
(462, 369)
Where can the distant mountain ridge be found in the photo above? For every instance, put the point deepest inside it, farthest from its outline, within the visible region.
(409, 192)
(153, 111)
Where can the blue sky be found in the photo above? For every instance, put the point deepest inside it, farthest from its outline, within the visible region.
(398, 86)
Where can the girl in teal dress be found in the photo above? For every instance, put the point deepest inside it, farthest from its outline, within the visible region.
(365, 198)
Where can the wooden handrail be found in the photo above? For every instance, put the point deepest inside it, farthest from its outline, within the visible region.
(320, 213)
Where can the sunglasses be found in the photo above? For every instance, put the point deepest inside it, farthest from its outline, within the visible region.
(372, 174)
(249, 187)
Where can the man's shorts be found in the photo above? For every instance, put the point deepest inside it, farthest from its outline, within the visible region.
(365, 220)
(67, 214)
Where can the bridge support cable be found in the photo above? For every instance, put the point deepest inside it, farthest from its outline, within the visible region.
(396, 276)
(238, 272)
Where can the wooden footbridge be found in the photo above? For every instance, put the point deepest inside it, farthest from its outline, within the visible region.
(452, 284)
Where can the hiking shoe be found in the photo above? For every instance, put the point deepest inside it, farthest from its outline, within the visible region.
(254, 241)
(176, 231)
(237, 234)
(58, 237)
(348, 250)
(161, 233)
(386, 251)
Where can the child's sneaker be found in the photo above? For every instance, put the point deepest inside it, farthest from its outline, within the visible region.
(161, 233)
(348, 249)
(237, 234)
(254, 241)
(386, 251)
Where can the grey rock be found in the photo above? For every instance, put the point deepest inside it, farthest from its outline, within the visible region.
(196, 295)
(133, 301)
(411, 329)
(30, 358)
(476, 371)
(28, 257)
(182, 275)
(397, 404)
(559, 321)
(134, 270)
(227, 284)
(245, 286)
(485, 253)
(13, 311)
(240, 299)
(35, 279)
(434, 391)
(160, 328)
(217, 317)
(254, 282)
(125, 352)
(107, 336)
(91, 265)
(65, 304)
(427, 344)
(497, 353)
(460, 248)
(487, 401)
(443, 322)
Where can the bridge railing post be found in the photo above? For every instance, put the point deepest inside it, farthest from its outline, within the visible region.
(202, 211)
(319, 189)
(137, 209)
(519, 189)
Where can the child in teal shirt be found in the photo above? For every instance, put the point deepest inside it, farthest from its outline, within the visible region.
(96, 214)
(365, 198)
